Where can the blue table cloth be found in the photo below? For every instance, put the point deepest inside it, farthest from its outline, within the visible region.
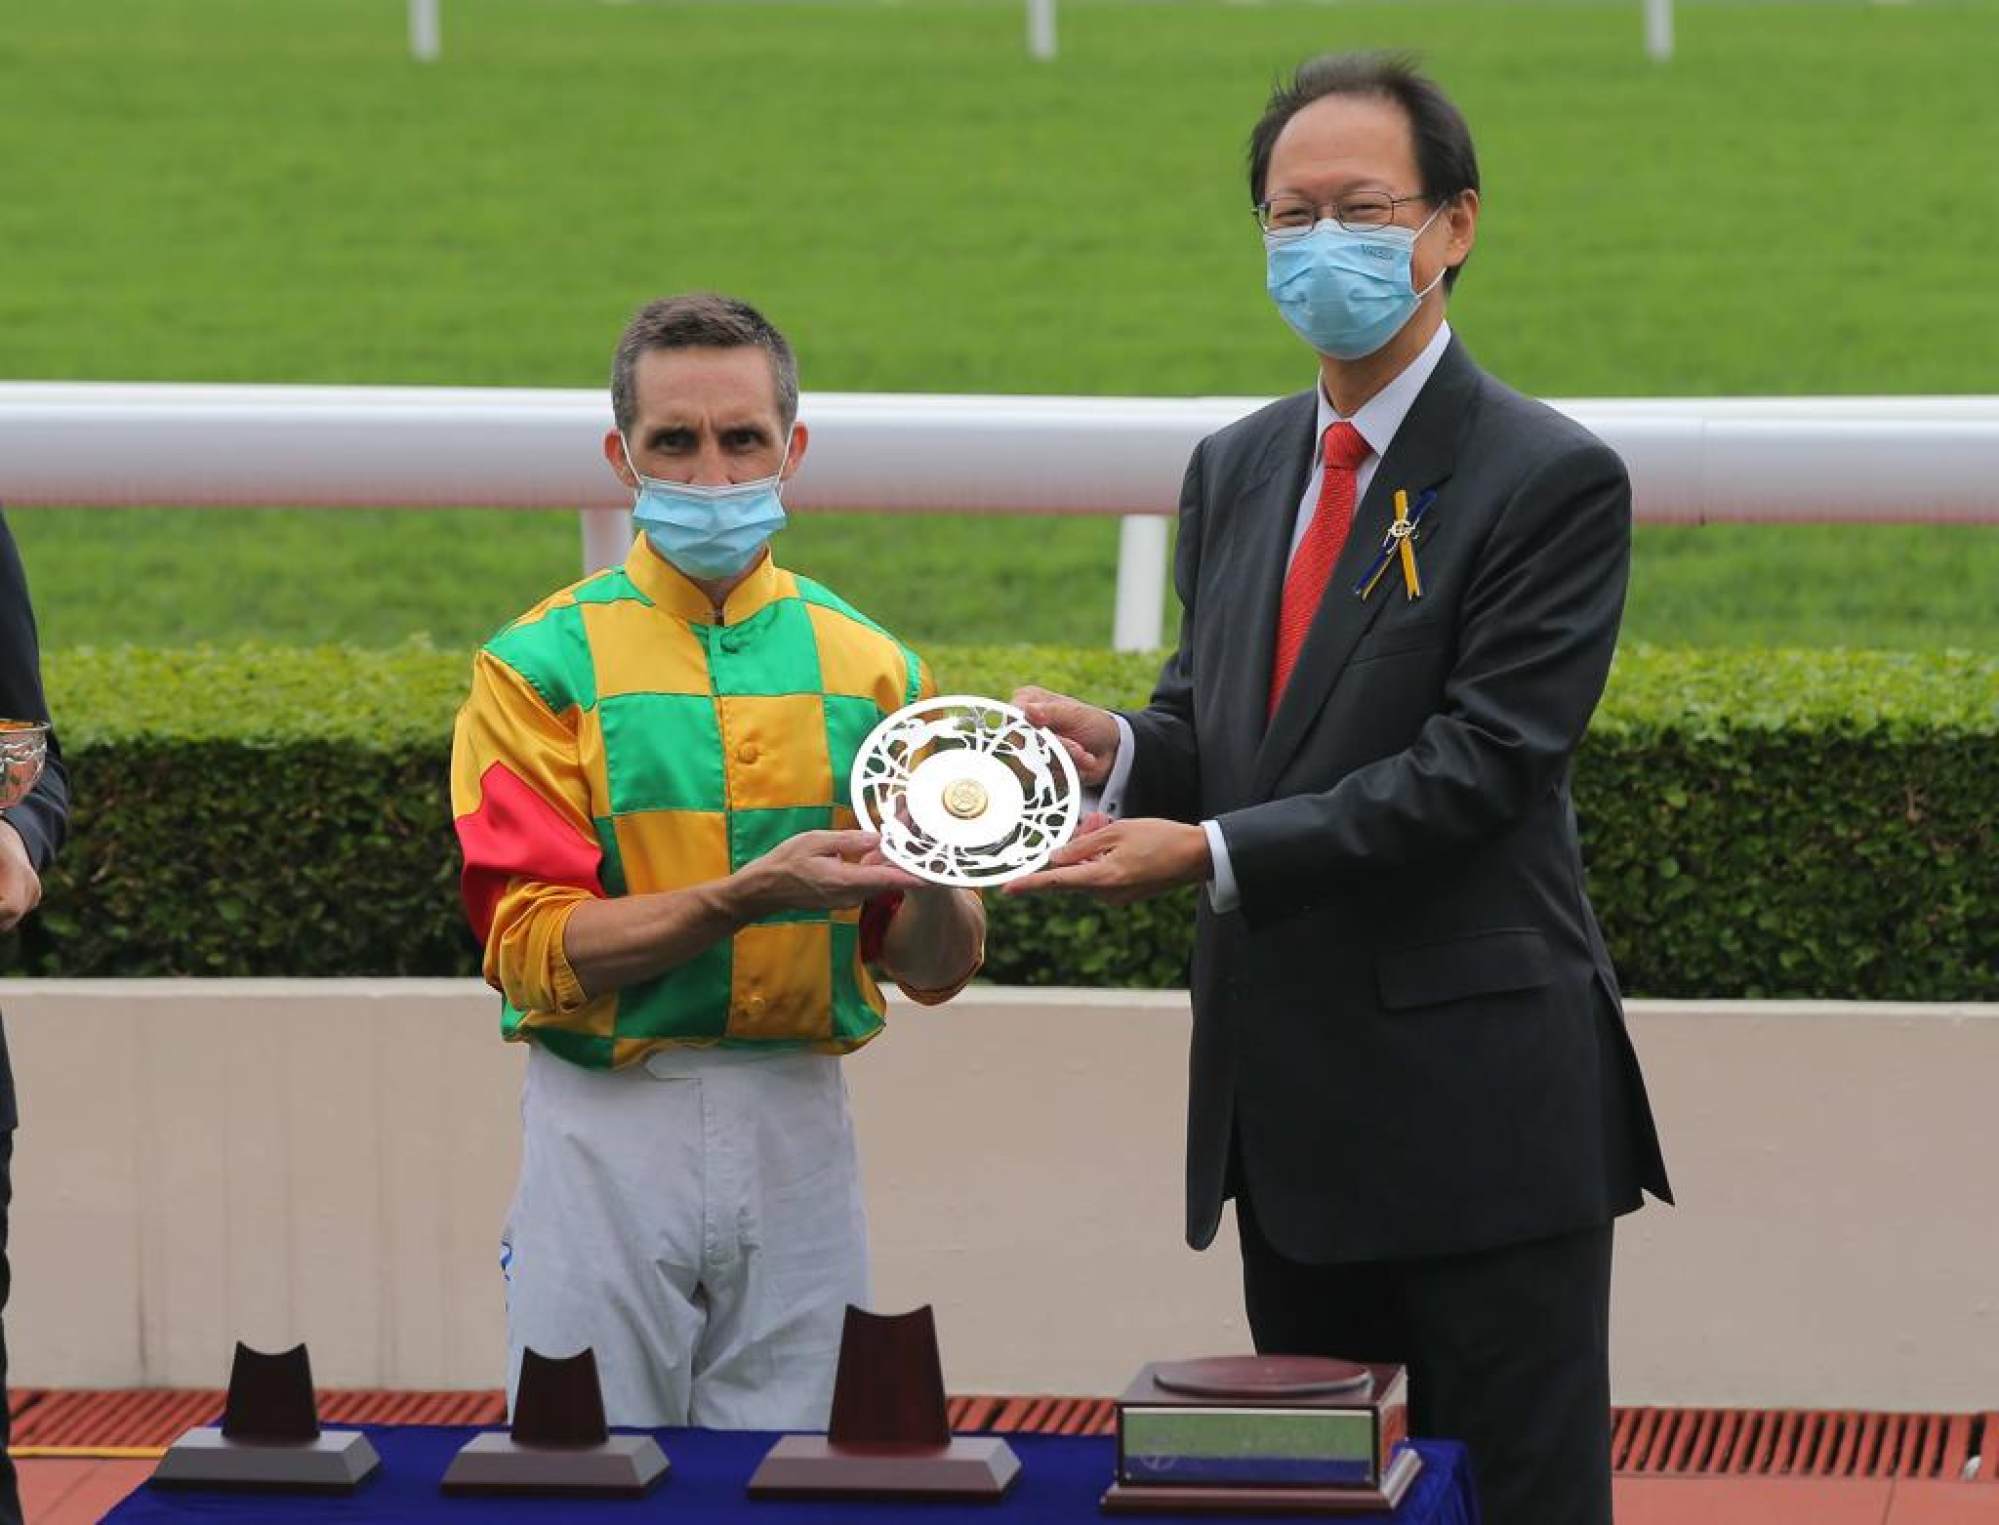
(1061, 1480)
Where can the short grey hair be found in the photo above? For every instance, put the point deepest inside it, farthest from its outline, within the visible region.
(700, 320)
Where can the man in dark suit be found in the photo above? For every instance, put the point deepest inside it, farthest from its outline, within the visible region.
(1410, 1067)
(30, 833)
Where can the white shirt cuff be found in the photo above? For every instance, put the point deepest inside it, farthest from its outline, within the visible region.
(1110, 799)
(1222, 893)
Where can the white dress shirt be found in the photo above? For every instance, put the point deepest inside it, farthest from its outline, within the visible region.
(1377, 419)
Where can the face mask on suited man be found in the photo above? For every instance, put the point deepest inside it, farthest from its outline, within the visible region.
(1346, 292)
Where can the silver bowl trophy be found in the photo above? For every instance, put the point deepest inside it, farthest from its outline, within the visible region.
(965, 791)
(24, 748)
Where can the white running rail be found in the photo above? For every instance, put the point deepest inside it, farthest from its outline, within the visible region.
(1908, 460)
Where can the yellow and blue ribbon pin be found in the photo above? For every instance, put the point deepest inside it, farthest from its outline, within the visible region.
(1399, 544)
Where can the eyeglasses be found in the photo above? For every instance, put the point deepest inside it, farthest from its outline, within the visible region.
(1293, 216)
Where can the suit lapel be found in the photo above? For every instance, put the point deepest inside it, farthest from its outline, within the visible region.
(1267, 509)
(1422, 455)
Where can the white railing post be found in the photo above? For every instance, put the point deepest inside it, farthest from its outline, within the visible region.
(1041, 28)
(1140, 622)
(1659, 29)
(607, 537)
(426, 35)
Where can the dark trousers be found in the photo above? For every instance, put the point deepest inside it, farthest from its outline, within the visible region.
(10, 1493)
(1507, 1349)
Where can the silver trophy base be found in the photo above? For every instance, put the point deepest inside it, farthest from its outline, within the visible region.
(624, 1466)
(339, 1461)
(970, 1467)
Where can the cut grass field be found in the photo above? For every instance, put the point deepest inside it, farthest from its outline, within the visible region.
(376, 578)
(234, 190)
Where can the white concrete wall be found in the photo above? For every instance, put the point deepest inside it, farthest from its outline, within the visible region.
(330, 1160)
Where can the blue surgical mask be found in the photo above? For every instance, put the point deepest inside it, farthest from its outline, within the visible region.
(1346, 293)
(709, 532)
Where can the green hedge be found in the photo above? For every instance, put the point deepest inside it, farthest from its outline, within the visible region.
(1756, 823)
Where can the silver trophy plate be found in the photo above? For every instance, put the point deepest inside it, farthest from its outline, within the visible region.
(338, 1461)
(965, 791)
(24, 748)
(624, 1465)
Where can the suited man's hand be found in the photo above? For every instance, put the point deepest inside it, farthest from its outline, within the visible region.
(1125, 862)
(20, 885)
(1090, 734)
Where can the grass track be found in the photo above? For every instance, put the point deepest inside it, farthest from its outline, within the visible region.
(241, 190)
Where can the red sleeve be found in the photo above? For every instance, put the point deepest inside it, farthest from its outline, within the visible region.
(516, 834)
(876, 914)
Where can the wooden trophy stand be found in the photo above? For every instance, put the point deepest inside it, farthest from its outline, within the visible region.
(269, 1439)
(559, 1443)
(890, 1435)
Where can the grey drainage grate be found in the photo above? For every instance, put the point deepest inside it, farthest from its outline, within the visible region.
(1801, 1443)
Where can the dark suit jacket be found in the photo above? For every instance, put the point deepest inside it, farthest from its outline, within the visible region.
(43, 816)
(1411, 1027)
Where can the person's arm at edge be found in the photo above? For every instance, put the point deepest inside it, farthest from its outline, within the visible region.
(41, 821)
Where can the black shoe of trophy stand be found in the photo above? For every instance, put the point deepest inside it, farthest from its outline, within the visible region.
(559, 1443)
(269, 1439)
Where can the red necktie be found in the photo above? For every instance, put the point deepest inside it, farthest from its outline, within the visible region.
(1305, 584)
